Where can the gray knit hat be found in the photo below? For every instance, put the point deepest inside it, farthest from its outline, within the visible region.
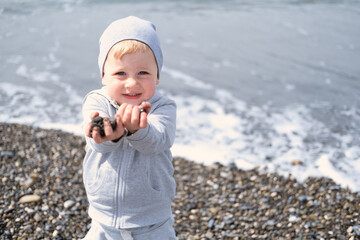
(130, 28)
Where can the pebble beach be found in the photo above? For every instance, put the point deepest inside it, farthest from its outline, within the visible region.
(42, 196)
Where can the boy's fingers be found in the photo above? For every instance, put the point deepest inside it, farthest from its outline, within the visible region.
(143, 115)
(107, 128)
(121, 109)
(126, 117)
(94, 114)
(117, 119)
(143, 120)
(88, 130)
(96, 135)
(119, 131)
(146, 106)
(135, 116)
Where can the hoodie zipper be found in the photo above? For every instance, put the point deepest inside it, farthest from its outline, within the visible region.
(120, 203)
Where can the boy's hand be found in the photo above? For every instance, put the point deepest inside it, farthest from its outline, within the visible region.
(134, 117)
(110, 134)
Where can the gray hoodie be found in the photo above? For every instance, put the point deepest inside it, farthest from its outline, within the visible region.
(130, 183)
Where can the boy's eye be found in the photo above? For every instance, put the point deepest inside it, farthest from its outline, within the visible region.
(121, 73)
(143, 73)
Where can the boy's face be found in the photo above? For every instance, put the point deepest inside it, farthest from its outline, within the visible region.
(131, 79)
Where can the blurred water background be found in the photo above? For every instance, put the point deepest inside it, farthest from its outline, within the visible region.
(273, 83)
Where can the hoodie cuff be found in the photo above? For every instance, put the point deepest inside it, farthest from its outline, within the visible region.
(138, 135)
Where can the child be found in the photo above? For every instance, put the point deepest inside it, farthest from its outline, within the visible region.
(128, 173)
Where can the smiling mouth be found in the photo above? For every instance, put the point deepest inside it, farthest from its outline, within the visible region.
(132, 96)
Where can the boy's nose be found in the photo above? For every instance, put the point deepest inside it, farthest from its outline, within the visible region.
(130, 82)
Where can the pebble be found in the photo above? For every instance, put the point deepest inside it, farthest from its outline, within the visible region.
(211, 202)
(30, 211)
(297, 163)
(192, 217)
(7, 154)
(68, 204)
(99, 122)
(209, 235)
(28, 228)
(37, 217)
(27, 183)
(55, 233)
(356, 229)
(292, 218)
(29, 198)
(45, 208)
(211, 223)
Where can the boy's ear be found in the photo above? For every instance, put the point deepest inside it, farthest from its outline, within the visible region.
(157, 81)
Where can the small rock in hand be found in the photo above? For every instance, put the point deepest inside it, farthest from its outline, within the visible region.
(99, 122)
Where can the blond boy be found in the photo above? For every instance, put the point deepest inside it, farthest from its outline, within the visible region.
(128, 173)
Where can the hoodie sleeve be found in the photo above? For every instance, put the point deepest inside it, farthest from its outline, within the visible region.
(159, 135)
(95, 102)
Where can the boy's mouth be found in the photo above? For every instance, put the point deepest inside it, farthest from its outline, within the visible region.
(132, 96)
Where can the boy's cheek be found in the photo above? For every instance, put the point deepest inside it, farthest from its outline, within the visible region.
(104, 81)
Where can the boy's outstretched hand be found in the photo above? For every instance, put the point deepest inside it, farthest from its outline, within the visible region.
(110, 134)
(134, 117)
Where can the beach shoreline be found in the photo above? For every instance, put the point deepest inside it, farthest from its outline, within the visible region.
(212, 202)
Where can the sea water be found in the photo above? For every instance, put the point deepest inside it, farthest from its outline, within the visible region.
(269, 84)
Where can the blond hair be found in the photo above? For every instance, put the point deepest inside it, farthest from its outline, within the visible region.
(126, 47)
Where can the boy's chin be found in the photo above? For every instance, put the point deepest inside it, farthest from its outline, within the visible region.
(132, 102)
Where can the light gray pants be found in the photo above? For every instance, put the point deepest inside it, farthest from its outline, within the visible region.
(161, 231)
